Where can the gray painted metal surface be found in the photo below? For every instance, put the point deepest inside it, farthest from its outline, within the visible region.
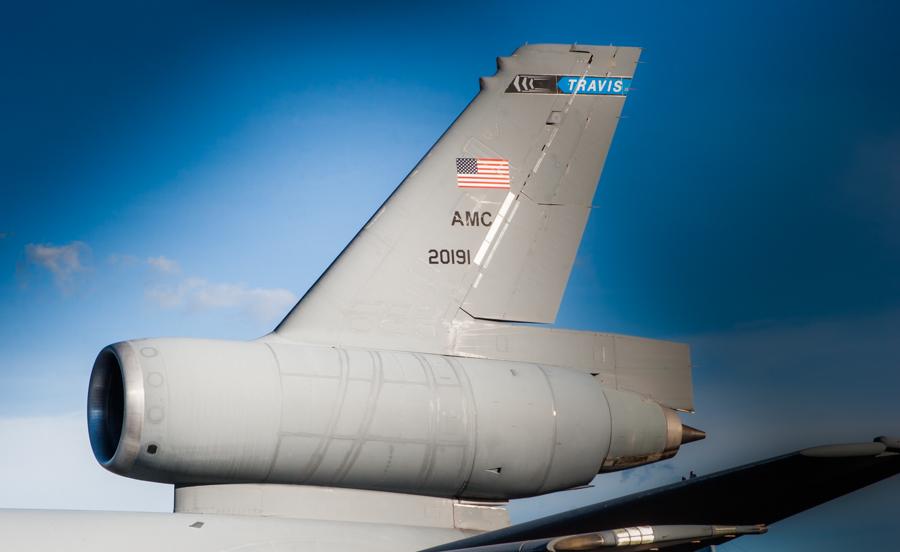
(425, 259)
(659, 370)
(351, 505)
(402, 368)
(45, 530)
(205, 411)
(630, 539)
(755, 494)
(441, 265)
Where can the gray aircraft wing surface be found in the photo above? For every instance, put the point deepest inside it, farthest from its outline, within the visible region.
(704, 511)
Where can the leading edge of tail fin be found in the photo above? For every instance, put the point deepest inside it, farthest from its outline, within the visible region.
(487, 225)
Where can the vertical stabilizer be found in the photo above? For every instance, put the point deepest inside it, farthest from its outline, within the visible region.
(488, 223)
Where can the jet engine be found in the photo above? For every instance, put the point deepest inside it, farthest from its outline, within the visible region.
(190, 411)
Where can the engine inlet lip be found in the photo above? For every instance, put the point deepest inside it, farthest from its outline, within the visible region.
(115, 407)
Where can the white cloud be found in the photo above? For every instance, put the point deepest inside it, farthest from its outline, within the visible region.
(63, 261)
(160, 264)
(192, 294)
(164, 265)
(123, 260)
(199, 295)
(49, 464)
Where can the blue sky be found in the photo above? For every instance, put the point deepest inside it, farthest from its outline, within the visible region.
(190, 169)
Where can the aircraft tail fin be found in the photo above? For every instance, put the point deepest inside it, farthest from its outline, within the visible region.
(488, 224)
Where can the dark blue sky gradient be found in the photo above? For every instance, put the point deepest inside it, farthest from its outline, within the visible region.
(750, 204)
(739, 189)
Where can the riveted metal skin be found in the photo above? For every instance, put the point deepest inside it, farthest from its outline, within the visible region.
(204, 411)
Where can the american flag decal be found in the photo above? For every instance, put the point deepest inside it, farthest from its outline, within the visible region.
(482, 172)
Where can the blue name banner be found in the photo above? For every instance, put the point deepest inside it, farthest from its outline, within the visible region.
(606, 86)
(569, 84)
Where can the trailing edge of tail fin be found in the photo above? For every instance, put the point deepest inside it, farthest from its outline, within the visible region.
(487, 225)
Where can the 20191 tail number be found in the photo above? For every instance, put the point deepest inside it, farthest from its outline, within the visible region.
(449, 256)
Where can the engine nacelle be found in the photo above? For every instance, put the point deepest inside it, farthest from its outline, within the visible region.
(189, 411)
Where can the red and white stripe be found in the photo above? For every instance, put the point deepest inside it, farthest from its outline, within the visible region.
(492, 173)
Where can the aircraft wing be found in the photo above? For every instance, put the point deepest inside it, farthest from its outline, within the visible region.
(704, 511)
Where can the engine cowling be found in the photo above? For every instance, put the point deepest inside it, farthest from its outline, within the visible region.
(188, 411)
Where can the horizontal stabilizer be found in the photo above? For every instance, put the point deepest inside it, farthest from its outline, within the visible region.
(756, 494)
(630, 539)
